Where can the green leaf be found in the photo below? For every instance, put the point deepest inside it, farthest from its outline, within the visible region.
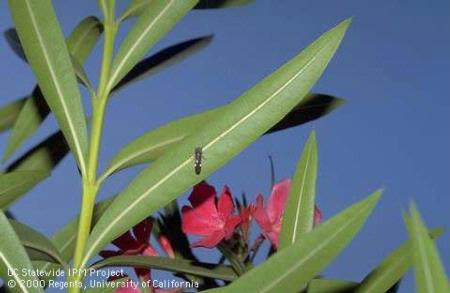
(82, 76)
(13, 259)
(303, 260)
(331, 286)
(137, 7)
(46, 51)
(80, 43)
(84, 37)
(149, 28)
(214, 271)
(391, 269)
(9, 113)
(155, 143)
(299, 215)
(14, 184)
(35, 242)
(208, 4)
(243, 121)
(429, 271)
(163, 59)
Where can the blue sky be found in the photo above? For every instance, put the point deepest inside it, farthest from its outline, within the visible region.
(392, 68)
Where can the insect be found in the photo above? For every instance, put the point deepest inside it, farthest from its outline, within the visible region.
(198, 158)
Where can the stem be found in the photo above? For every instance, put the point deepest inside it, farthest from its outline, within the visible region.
(90, 181)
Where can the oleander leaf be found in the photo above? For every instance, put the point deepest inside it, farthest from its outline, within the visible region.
(243, 121)
(47, 53)
(137, 7)
(390, 271)
(15, 184)
(13, 259)
(36, 244)
(9, 113)
(155, 143)
(163, 59)
(429, 271)
(303, 260)
(148, 29)
(298, 218)
(80, 44)
(215, 271)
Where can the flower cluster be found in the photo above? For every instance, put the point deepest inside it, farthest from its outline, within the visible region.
(213, 218)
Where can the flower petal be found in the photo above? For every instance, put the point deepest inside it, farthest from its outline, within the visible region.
(225, 205)
(261, 216)
(143, 230)
(317, 216)
(230, 225)
(126, 242)
(277, 200)
(201, 192)
(201, 220)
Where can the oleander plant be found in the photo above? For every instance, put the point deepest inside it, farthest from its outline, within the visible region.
(142, 228)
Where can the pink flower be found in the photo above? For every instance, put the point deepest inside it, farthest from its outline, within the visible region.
(269, 218)
(210, 218)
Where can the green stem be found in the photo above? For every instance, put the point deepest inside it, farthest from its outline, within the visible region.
(90, 181)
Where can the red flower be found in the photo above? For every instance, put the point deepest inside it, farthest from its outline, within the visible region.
(269, 217)
(210, 218)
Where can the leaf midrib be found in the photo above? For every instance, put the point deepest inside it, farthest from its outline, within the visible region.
(302, 189)
(13, 271)
(57, 86)
(113, 77)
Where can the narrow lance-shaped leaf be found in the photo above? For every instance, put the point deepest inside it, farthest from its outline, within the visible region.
(429, 271)
(245, 119)
(137, 7)
(299, 214)
(46, 51)
(36, 243)
(391, 269)
(214, 271)
(9, 113)
(163, 59)
(303, 260)
(149, 28)
(80, 44)
(13, 259)
(155, 143)
(15, 184)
